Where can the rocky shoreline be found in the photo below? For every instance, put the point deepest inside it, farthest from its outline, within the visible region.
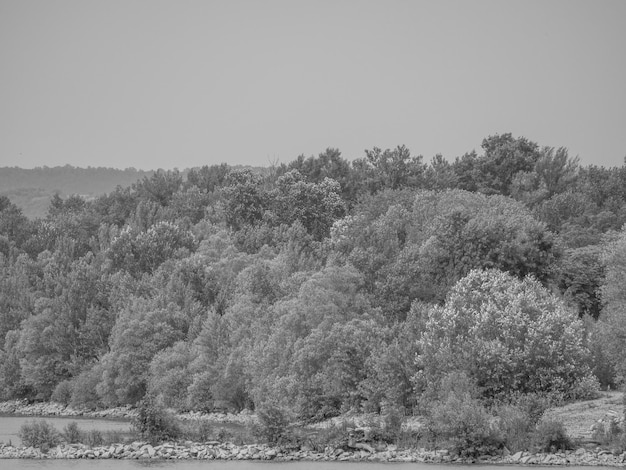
(21, 408)
(227, 451)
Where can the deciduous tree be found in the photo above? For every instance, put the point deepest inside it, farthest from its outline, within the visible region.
(509, 335)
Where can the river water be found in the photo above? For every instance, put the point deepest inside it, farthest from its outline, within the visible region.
(10, 426)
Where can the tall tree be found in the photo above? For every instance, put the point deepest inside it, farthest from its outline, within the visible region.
(160, 187)
(315, 205)
(328, 164)
(13, 224)
(245, 199)
(509, 335)
(389, 169)
(208, 178)
(440, 175)
(614, 300)
(494, 171)
(142, 330)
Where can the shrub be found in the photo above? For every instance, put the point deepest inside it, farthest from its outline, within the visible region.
(331, 436)
(224, 435)
(94, 438)
(153, 422)
(456, 419)
(199, 396)
(392, 418)
(610, 434)
(550, 436)
(533, 405)
(437, 391)
(586, 388)
(114, 436)
(197, 431)
(515, 427)
(84, 391)
(272, 423)
(39, 434)
(409, 439)
(72, 433)
(315, 408)
(602, 364)
(204, 431)
(169, 377)
(63, 392)
(462, 425)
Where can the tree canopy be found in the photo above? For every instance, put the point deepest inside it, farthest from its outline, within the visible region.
(320, 285)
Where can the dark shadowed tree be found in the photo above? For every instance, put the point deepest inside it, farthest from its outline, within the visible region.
(389, 169)
(614, 300)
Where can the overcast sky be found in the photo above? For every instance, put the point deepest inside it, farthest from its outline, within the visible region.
(162, 84)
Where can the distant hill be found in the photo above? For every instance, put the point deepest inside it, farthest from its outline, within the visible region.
(31, 189)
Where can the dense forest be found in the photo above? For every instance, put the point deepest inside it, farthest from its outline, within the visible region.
(323, 285)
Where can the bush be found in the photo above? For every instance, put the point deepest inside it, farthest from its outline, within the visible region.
(72, 433)
(153, 422)
(84, 393)
(272, 423)
(409, 439)
(609, 434)
(204, 431)
(437, 391)
(533, 405)
(462, 425)
(392, 418)
(332, 436)
(63, 392)
(550, 436)
(515, 427)
(586, 388)
(39, 434)
(197, 431)
(199, 396)
(94, 438)
(117, 437)
(224, 435)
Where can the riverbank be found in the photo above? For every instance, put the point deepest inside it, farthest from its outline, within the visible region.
(23, 408)
(228, 451)
(214, 450)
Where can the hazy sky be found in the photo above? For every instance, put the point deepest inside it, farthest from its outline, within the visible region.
(181, 83)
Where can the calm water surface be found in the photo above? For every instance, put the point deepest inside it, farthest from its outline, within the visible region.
(10, 425)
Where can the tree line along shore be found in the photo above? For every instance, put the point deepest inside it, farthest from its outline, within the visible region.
(471, 294)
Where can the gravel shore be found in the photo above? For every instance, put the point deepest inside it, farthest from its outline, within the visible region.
(228, 451)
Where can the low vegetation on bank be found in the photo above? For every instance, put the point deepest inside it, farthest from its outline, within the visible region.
(461, 430)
